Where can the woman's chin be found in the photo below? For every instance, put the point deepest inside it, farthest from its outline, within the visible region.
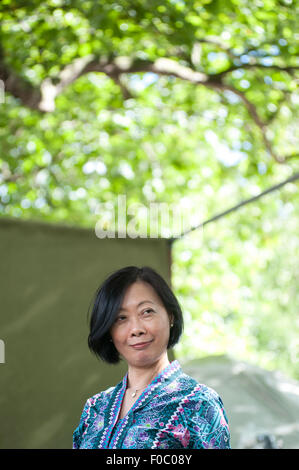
(145, 359)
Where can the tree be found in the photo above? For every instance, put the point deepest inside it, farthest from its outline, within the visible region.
(188, 103)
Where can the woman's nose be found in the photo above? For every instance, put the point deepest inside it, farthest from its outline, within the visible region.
(137, 328)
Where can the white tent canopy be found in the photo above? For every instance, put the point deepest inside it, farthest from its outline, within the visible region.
(262, 406)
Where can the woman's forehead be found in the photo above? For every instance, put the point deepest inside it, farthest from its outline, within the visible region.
(138, 293)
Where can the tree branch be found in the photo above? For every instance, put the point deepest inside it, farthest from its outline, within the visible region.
(288, 69)
(18, 86)
(43, 99)
(261, 125)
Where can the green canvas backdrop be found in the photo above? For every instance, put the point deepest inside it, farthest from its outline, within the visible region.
(48, 277)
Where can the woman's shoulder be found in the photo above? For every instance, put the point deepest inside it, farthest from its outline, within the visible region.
(100, 397)
(196, 388)
(201, 405)
(195, 395)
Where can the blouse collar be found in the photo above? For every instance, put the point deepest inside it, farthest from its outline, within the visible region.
(167, 374)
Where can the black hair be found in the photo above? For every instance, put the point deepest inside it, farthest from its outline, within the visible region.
(108, 300)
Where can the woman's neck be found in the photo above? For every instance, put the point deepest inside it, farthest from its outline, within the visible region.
(141, 377)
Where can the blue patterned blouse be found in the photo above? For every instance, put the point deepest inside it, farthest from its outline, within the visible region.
(173, 412)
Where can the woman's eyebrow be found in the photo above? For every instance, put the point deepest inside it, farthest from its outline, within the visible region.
(140, 303)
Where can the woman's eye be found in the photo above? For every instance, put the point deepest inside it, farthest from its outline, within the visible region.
(148, 311)
(120, 318)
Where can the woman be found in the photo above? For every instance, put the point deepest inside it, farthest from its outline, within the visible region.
(136, 316)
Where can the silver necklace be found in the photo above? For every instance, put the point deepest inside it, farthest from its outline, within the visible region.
(133, 395)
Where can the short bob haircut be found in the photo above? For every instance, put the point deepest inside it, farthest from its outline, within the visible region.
(108, 300)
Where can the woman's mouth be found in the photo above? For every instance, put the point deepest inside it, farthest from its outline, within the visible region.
(141, 345)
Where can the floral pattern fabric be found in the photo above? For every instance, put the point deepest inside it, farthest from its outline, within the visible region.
(173, 412)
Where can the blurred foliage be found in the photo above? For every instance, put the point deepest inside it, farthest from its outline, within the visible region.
(157, 138)
(237, 279)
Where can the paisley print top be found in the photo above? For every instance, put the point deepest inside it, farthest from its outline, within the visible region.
(173, 412)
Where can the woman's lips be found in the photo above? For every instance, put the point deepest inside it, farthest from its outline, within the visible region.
(141, 345)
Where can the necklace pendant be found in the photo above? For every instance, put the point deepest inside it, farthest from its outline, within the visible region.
(134, 394)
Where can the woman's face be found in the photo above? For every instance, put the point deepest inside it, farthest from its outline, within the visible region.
(141, 330)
